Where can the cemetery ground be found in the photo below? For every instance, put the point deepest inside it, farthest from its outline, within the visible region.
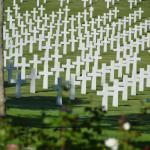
(28, 110)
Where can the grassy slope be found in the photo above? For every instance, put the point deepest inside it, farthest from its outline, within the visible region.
(31, 106)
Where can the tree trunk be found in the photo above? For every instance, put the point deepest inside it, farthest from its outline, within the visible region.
(2, 95)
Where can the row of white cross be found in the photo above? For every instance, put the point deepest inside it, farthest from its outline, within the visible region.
(52, 34)
(31, 36)
(84, 60)
(111, 2)
(123, 87)
(133, 3)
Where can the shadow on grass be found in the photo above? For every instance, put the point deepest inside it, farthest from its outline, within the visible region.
(40, 102)
(8, 85)
(139, 122)
(20, 121)
(43, 103)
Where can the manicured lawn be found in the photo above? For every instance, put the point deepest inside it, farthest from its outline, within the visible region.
(30, 106)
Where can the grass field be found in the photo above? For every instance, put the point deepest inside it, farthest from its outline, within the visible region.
(27, 110)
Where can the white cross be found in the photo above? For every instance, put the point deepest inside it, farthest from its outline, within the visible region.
(57, 69)
(53, 16)
(31, 26)
(79, 16)
(16, 55)
(26, 34)
(11, 20)
(96, 57)
(23, 66)
(94, 76)
(91, 9)
(34, 12)
(148, 76)
(38, 21)
(31, 44)
(140, 78)
(16, 9)
(10, 67)
(108, 3)
(66, 10)
(6, 57)
(87, 61)
(116, 11)
(22, 25)
(46, 18)
(135, 15)
(8, 11)
(14, 2)
(85, 13)
(104, 93)
(61, 3)
(114, 93)
(78, 63)
(73, 41)
(105, 42)
(132, 82)
(103, 71)
(72, 20)
(72, 87)
(35, 63)
(37, 3)
(35, 31)
(27, 15)
(90, 2)
(60, 13)
(99, 20)
(33, 76)
(110, 14)
(92, 23)
(41, 10)
(140, 12)
(131, 3)
(104, 17)
(68, 68)
(59, 92)
(123, 86)
(45, 1)
(46, 73)
(108, 28)
(86, 25)
(84, 78)
(65, 43)
(84, 3)
(125, 22)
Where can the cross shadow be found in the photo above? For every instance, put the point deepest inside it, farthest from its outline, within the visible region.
(41, 102)
(140, 122)
(7, 84)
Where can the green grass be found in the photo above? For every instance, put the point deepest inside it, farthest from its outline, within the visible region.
(30, 106)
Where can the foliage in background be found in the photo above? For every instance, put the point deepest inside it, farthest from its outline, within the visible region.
(67, 132)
